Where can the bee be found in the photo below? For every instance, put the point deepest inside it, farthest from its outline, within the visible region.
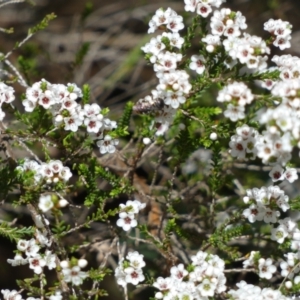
(145, 106)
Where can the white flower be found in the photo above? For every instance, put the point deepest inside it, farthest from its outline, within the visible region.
(72, 123)
(133, 275)
(207, 288)
(178, 272)
(290, 174)
(46, 99)
(234, 113)
(18, 260)
(175, 39)
(120, 275)
(107, 145)
(126, 222)
(11, 295)
(74, 275)
(22, 245)
(199, 258)
(55, 166)
(93, 124)
(50, 260)
(254, 213)
(237, 147)
(174, 99)
(203, 9)
(45, 170)
(37, 263)
(279, 234)
(266, 268)
(42, 238)
(6, 93)
(136, 260)
(56, 296)
(277, 173)
(163, 283)
(212, 42)
(45, 203)
(32, 248)
(65, 173)
(198, 64)
(91, 110)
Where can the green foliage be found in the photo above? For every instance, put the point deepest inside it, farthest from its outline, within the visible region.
(60, 228)
(43, 24)
(27, 65)
(221, 238)
(81, 54)
(11, 177)
(92, 173)
(186, 144)
(98, 275)
(295, 204)
(88, 9)
(14, 233)
(29, 284)
(86, 93)
(124, 121)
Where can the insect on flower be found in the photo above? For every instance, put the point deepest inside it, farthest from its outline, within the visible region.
(148, 105)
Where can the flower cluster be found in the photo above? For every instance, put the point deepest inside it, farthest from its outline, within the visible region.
(51, 172)
(72, 272)
(265, 267)
(249, 292)
(272, 148)
(205, 280)
(130, 269)
(128, 214)
(249, 50)
(227, 23)
(264, 204)
(166, 18)
(281, 33)
(202, 7)
(288, 66)
(242, 144)
(14, 295)
(278, 173)
(226, 27)
(60, 100)
(238, 95)
(162, 52)
(36, 260)
(6, 96)
(290, 268)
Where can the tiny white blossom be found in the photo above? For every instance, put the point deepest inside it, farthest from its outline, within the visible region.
(18, 260)
(107, 145)
(133, 275)
(126, 222)
(266, 268)
(37, 263)
(74, 275)
(45, 203)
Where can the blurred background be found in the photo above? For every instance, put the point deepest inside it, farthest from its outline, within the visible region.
(109, 33)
